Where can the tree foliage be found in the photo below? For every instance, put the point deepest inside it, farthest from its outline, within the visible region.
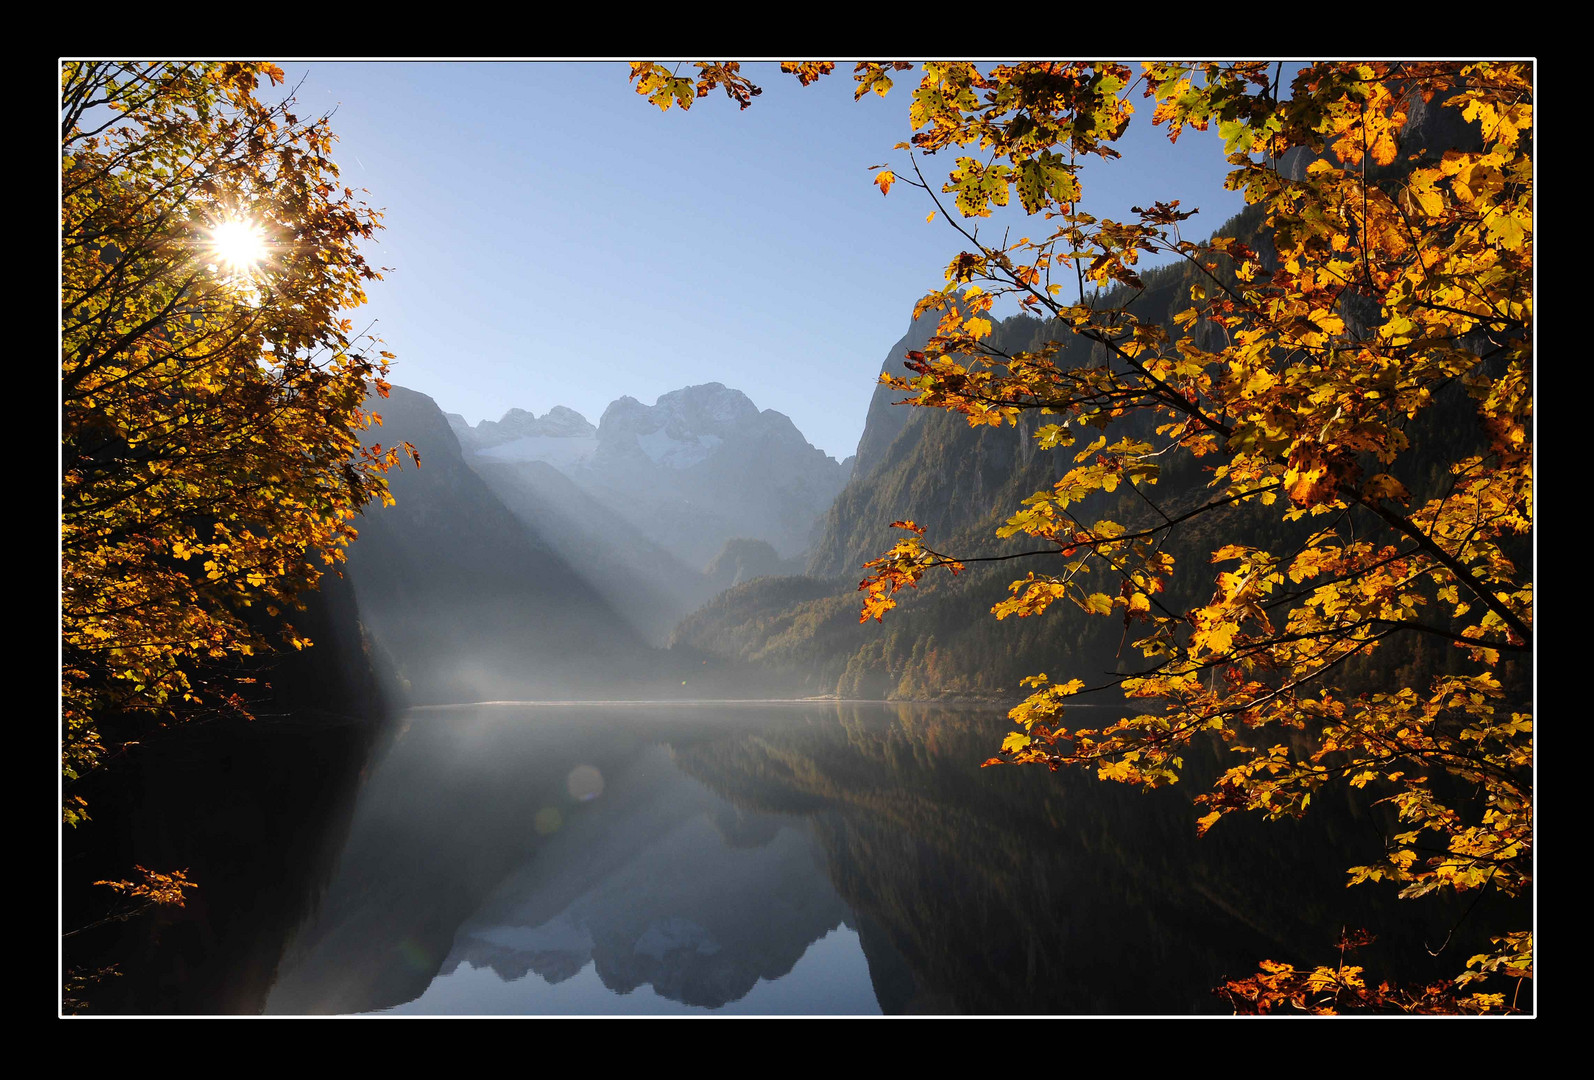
(212, 391)
(1390, 278)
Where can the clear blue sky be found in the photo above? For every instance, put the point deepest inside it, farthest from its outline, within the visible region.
(556, 240)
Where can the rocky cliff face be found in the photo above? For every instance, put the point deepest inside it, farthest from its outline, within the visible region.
(684, 427)
(928, 466)
(885, 421)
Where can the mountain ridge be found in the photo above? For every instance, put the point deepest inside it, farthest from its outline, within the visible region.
(659, 507)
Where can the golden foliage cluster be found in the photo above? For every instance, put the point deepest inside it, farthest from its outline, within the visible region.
(1394, 273)
(211, 406)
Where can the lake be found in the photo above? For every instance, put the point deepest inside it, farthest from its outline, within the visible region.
(804, 858)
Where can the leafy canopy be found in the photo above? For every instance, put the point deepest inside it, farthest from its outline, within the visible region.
(211, 390)
(1388, 276)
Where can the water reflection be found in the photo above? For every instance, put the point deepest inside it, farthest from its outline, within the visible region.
(671, 888)
(797, 859)
(832, 978)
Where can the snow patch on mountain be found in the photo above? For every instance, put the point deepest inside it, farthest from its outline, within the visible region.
(666, 448)
(558, 451)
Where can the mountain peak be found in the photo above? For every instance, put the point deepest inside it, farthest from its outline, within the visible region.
(698, 466)
(558, 423)
(682, 427)
(708, 407)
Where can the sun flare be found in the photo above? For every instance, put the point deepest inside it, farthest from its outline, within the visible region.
(238, 245)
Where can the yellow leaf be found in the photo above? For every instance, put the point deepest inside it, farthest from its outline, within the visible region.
(1015, 741)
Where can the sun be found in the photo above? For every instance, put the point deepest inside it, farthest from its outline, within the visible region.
(239, 245)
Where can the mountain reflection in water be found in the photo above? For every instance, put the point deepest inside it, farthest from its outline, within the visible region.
(802, 858)
(677, 891)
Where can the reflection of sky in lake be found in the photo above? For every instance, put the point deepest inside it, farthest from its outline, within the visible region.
(831, 978)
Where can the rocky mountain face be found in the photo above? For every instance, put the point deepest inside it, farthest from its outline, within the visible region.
(885, 421)
(562, 436)
(700, 466)
(929, 466)
(659, 507)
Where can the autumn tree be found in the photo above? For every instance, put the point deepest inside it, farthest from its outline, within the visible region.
(1388, 279)
(212, 390)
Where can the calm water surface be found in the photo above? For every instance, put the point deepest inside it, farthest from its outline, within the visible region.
(797, 858)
